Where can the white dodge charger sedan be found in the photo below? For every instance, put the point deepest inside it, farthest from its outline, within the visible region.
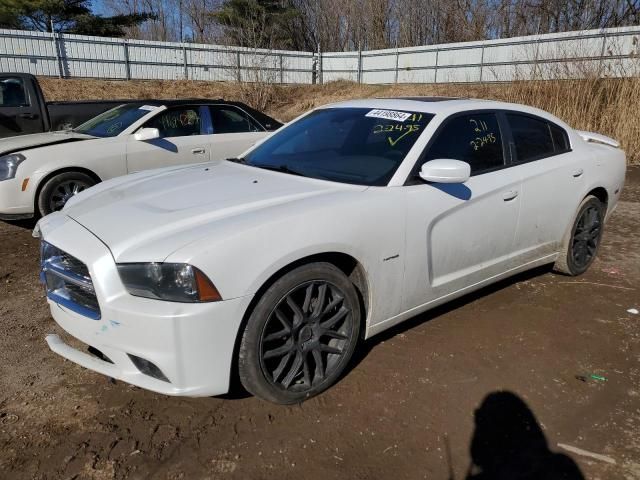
(350, 219)
(40, 172)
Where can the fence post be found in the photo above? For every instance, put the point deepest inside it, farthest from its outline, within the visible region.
(186, 67)
(481, 62)
(319, 65)
(397, 61)
(435, 74)
(359, 65)
(602, 52)
(238, 65)
(54, 39)
(281, 70)
(535, 63)
(127, 67)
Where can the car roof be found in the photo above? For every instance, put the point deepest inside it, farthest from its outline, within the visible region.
(268, 122)
(425, 99)
(178, 101)
(442, 105)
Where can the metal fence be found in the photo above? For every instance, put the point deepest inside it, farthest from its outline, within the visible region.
(609, 52)
(78, 56)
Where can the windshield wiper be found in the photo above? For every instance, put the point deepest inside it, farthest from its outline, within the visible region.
(236, 160)
(281, 168)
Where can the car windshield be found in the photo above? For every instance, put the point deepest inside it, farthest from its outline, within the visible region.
(114, 121)
(361, 146)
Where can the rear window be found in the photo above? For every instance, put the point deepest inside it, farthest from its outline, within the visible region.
(228, 119)
(560, 139)
(12, 92)
(536, 138)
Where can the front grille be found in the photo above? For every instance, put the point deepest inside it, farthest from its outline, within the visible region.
(68, 281)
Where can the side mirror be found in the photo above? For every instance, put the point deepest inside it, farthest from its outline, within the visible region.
(445, 171)
(146, 134)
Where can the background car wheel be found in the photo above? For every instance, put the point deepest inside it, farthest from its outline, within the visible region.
(301, 334)
(582, 241)
(60, 188)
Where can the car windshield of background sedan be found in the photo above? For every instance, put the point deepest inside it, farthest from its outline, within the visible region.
(361, 146)
(114, 121)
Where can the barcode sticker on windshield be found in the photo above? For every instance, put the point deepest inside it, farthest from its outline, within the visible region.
(389, 115)
(151, 108)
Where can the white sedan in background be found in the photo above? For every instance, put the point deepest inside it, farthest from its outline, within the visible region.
(349, 220)
(40, 172)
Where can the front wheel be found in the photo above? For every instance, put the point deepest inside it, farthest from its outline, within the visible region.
(301, 334)
(60, 188)
(581, 243)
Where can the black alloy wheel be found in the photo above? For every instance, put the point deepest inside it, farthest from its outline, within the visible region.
(580, 245)
(586, 236)
(301, 334)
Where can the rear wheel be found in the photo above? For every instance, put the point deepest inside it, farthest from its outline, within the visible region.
(60, 188)
(582, 241)
(301, 334)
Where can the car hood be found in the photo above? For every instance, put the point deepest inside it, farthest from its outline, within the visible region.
(158, 212)
(26, 142)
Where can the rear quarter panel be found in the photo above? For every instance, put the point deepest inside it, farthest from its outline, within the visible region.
(605, 167)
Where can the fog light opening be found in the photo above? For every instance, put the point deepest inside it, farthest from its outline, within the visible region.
(148, 368)
(97, 353)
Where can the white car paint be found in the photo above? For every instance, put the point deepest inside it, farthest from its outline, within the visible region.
(106, 158)
(418, 245)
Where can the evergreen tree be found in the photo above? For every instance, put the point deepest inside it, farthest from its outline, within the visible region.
(69, 16)
(257, 23)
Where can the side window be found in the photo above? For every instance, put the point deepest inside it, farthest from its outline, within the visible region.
(12, 92)
(560, 139)
(228, 119)
(177, 122)
(532, 137)
(474, 139)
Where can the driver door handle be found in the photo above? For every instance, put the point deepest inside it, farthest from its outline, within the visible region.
(198, 151)
(30, 116)
(577, 173)
(510, 195)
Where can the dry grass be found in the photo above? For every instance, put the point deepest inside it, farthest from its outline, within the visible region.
(607, 106)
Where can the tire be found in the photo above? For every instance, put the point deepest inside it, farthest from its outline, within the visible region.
(295, 345)
(580, 245)
(60, 188)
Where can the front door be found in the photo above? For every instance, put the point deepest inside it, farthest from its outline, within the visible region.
(19, 113)
(182, 141)
(461, 234)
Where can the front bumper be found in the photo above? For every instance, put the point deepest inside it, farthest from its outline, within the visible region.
(192, 345)
(14, 202)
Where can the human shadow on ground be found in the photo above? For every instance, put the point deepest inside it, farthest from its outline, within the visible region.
(508, 444)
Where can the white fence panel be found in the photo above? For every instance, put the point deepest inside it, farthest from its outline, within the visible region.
(610, 52)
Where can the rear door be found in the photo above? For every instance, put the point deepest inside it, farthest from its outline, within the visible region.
(183, 139)
(234, 131)
(552, 184)
(461, 234)
(19, 108)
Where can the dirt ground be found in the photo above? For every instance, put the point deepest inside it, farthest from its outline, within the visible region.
(407, 408)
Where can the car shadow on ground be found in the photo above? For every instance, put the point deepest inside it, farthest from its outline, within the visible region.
(27, 224)
(508, 443)
(237, 391)
(366, 346)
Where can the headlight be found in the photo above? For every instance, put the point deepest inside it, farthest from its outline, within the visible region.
(175, 282)
(9, 165)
